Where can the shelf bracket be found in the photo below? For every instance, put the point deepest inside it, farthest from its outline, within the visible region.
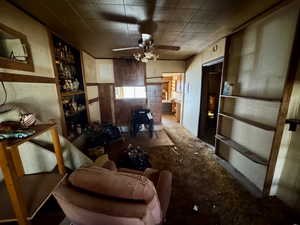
(293, 123)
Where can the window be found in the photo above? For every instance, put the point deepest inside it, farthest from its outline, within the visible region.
(130, 92)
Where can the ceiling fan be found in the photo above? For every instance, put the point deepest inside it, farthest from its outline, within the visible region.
(146, 50)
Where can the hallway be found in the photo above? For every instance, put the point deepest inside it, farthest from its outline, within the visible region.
(169, 120)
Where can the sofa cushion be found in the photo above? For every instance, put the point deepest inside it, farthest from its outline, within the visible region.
(114, 184)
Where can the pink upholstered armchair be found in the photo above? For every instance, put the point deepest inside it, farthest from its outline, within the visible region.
(107, 196)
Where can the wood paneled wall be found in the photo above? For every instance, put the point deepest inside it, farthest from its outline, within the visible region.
(154, 100)
(129, 72)
(106, 97)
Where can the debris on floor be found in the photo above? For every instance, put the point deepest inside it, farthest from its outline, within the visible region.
(199, 180)
(196, 208)
(179, 158)
(173, 148)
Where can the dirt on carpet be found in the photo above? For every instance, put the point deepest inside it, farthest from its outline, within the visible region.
(142, 139)
(205, 194)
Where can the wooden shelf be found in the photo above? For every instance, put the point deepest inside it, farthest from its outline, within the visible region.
(214, 73)
(252, 98)
(36, 190)
(59, 61)
(71, 93)
(243, 150)
(75, 114)
(40, 129)
(293, 123)
(296, 121)
(250, 122)
(75, 59)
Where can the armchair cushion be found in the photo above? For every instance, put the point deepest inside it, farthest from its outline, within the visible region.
(113, 184)
(100, 196)
(67, 195)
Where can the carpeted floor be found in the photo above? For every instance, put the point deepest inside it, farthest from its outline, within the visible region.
(199, 180)
(142, 139)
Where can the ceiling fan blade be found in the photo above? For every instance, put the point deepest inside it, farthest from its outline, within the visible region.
(119, 18)
(150, 4)
(125, 49)
(167, 47)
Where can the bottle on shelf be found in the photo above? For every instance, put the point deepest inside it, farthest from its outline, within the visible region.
(63, 53)
(67, 72)
(72, 107)
(78, 129)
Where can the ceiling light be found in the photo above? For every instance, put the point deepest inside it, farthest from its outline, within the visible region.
(146, 56)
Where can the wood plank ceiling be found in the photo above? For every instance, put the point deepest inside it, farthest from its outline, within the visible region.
(186, 23)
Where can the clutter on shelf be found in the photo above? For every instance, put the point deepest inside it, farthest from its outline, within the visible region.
(70, 82)
(18, 129)
(14, 130)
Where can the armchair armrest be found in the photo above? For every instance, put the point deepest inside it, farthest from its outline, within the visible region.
(126, 170)
(164, 188)
(110, 165)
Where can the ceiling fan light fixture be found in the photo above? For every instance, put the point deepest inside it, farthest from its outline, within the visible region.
(146, 56)
(144, 60)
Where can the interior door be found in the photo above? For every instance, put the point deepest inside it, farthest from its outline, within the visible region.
(203, 106)
(211, 81)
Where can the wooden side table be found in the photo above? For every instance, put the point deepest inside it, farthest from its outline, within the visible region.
(22, 195)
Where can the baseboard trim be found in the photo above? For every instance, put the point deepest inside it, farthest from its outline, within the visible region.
(255, 191)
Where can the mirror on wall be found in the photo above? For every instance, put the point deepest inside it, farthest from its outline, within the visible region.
(14, 50)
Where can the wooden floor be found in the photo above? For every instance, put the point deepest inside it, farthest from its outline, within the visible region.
(36, 190)
(49, 214)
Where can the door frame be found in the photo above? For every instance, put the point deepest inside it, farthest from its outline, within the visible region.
(182, 91)
(204, 65)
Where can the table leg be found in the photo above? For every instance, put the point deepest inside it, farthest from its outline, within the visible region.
(58, 150)
(17, 161)
(13, 186)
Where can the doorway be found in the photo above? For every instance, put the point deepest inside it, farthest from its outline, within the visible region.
(172, 95)
(210, 92)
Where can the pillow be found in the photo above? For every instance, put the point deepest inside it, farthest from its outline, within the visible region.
(113, 184)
